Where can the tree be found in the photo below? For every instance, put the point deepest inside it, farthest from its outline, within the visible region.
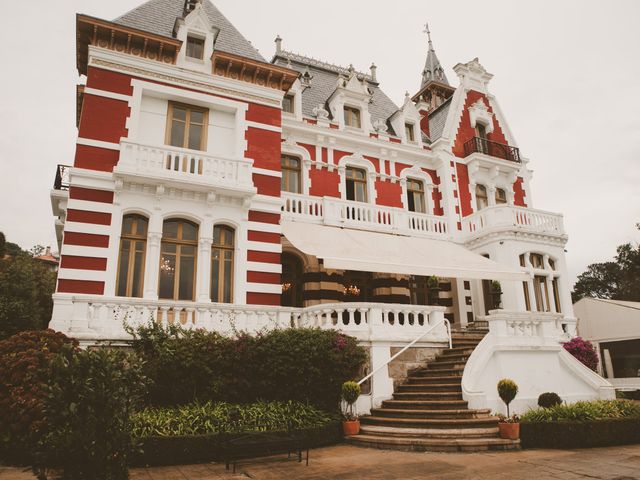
(26, 286)
(616, 280)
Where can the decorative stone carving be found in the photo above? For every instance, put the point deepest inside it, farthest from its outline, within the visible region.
(380, 126)
(320, 112)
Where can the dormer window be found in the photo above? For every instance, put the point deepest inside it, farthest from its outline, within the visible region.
(409, 133)
(352, 117)
(288, 103)
(195, 47)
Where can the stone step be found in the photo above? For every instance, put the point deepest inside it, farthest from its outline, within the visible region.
(433, 444)
(467, 336)
(432, 423)
(441, 372)
(426, 404)
(443, 365)
(462, 358)
(381, 430)
(430, 387)
(429, 413)
(435, 380)
(427, 395)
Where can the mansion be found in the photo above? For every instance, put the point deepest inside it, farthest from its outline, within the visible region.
(219, 189)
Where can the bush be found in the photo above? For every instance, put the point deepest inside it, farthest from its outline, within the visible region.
(307, 365)
(584, 411)
(88, 431)
(25, 360)
(594, 433)
(208, 418)
(507, 390)
(549, 399)
(584, 351)
(350, 393)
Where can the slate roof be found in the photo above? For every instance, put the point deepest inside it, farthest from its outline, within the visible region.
(159, 17)
(323, 84)
(437, 120)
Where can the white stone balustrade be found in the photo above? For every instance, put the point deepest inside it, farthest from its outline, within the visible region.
(366, 216)
(181, 164)
(501, 217)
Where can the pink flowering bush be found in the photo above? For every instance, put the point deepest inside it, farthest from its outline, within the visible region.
(584, 351)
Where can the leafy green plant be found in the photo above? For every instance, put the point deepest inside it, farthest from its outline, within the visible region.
(25, 360)
(350, 393)
(496, 287)
(584, 411)
(87, 414)
(507, 390)
(222, 417)
(549, 399)
(433, 281)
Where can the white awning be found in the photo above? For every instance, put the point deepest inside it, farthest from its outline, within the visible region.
(348, 249)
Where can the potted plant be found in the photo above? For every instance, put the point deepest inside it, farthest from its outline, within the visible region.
(350, 394)
(509, 426)
(496, 294)
(433, 286)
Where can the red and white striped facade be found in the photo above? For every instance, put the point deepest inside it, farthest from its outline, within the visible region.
(122, 132)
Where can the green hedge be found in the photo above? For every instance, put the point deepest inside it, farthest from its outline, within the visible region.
(157, 450)
(307, 365)
(595, 433)
(583, 411)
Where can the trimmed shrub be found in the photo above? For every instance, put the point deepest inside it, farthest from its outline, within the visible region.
(350, 393)
(209, 418)
(549, 399)
(584, 351)
(584, 412)
(25, 360)
(88, 431)
(583, 434)
(507, 390)
(307, 365)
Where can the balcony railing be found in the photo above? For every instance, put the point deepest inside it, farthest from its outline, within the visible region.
(184, 165)
(493, 149)
(61, 181)
(511, 217)
(364, 216)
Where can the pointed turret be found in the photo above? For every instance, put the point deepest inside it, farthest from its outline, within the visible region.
(433, 71)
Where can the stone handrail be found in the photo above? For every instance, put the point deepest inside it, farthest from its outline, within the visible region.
(509, 216)
(360, 215)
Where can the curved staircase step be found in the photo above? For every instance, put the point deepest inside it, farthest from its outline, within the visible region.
(434, 379)
(434, 444)
(450, 423)
(386, 431)
(429, 413)
(430, 387)
(425, 404)
(427, 395)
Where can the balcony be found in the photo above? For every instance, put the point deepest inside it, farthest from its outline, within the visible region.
(364, 216)
(61, 181)
(507, 217)
(493, 149)
(180, 166)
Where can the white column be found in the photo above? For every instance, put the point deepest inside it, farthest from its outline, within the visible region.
(152, 260)
(203, 276)
(491, 195)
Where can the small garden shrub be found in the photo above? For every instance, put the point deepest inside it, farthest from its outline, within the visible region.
(584, 351)
(88, 430)
(25, 360)
(549, 399)
(208, 418)
(307, 365)
(507, 390)
(584, 411)
(350, 393)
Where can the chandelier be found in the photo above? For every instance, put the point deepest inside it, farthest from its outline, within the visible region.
(351, 290)
(286, 287)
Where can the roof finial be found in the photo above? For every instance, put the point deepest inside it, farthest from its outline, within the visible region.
(278, 41)
(428, 32)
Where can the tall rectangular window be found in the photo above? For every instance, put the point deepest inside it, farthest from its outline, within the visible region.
(222, 264)
(541, 292)
(351, 117)
(133, 243)
(415, 196)
(178, 251)
(501, 196)
(408, 131)
(187, 126)
(356, 182)
(288, 103)
(290, 181)
(195, 48)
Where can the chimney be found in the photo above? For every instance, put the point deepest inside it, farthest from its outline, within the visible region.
(278, 41)
(373, 69)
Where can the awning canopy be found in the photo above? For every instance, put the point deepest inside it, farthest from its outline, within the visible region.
(348, 249)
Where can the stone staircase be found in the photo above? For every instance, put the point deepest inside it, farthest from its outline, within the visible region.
(427, 412)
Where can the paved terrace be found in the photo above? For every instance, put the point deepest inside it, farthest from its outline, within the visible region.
(348, 462)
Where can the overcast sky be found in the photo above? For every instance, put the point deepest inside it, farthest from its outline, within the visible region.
(567, 75)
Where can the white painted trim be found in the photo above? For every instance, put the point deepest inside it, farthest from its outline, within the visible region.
(264, 288)
(264, 246)
(264, 267)
(264, 126)
(264, 227)
(78, 227)
(266, 203)
(90, 206)
(89, 142)
(82, 251)
(107, 94)
(362, 163)
(267, 172)
(77, 274)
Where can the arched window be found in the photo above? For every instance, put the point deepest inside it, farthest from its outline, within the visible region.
(415, 196)
(356, 181)
(222, 264)
(133, 246)
(290, 174)
(481, 197)
(501, 196)
(178, 253)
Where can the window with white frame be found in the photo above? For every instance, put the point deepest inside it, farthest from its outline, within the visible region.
(356, 183)
(415, 196)
(542, 292)
(288, 103)
(482, 200)
(501, 196)
(195, 47)
(409, 132)
(352, 117)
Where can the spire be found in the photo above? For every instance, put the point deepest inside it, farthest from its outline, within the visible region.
(433, 71)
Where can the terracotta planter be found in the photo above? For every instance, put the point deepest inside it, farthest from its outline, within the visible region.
(509, 431)
(351, 427)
